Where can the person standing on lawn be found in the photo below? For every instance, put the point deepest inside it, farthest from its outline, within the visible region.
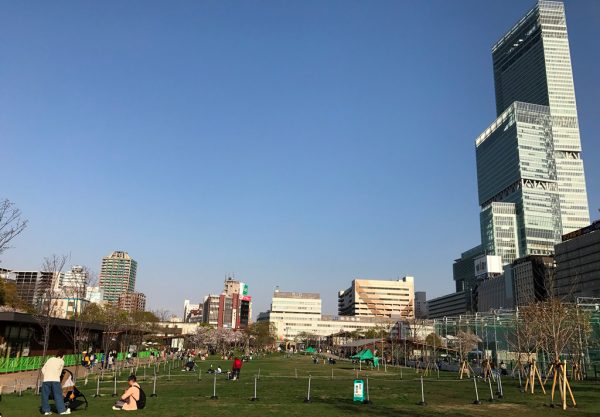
(51, 384)
(237, 367)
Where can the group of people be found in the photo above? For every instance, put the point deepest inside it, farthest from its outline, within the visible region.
(91, 359)
(58, 383)
(234, 374)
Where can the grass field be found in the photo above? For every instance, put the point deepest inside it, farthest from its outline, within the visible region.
(280, 393)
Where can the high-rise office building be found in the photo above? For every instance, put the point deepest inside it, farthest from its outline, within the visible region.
(529, 168)
(378, 298)
(117, 275)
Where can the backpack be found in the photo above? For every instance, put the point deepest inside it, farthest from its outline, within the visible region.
(141, 402)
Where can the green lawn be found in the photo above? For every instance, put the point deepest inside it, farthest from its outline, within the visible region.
(281, 393)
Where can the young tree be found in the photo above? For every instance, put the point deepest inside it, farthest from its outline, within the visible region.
(47, 295)
(11, 223)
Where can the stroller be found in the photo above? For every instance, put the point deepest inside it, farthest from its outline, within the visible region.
(72, 397)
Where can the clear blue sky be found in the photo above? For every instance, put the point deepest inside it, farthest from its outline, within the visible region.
(293, 143)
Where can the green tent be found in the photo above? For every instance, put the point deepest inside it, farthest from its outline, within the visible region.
(366, 354)
(310, 350)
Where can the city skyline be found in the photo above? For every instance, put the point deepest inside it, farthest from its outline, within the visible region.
(323, 223)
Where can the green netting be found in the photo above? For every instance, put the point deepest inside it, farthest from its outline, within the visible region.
(31, 363)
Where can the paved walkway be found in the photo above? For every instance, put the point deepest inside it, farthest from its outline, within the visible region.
(17, 381)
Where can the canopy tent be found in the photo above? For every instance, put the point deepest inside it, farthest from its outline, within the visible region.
(365, 355)
(310, 349)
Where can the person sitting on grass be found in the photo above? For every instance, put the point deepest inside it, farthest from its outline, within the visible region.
(132, 396)
(190, 365)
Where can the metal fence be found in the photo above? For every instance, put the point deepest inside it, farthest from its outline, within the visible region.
(495, 332)
(32, 363)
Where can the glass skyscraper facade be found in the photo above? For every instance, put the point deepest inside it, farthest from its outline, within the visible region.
(530, 156)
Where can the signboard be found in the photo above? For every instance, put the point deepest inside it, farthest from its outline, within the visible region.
(247, 298)
(244, 289)
(359, 390)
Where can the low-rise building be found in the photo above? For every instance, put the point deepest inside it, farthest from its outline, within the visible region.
(296, 314)
(453, 304)
(578, 264)
(132, 301)
(532, 279)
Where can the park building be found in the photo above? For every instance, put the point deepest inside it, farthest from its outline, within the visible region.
(132, 301)
(378, 298)
(117, 275)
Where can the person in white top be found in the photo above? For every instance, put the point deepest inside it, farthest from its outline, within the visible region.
(51, 384)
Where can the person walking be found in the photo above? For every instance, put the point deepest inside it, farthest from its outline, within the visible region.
(51, 373)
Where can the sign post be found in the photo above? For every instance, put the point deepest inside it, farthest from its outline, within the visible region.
(359, 390)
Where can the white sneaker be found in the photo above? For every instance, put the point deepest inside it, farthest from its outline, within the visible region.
(116, 408)
(67, 411)
(48, 413)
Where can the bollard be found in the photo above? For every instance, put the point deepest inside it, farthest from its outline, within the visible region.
(307, 399)
(476, 402)
(144, 374)
(199, 374)
(154, 388)
(97, 388)
(332, 373)
(259, 373)
(368, 400)
(169, 375)
(296, 372)
(385, 366)
(400, 372)
(255, 398)
(20, 388)
(491, 392)
(214, 396)
(114, 394)
(520, 383)
(500, 389)
(85, 381)
(422, 402)
(15, 390)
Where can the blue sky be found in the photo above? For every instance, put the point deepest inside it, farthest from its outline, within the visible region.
(299, 144)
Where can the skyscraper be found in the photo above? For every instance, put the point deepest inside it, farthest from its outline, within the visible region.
(117, 275)
(529, 168)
